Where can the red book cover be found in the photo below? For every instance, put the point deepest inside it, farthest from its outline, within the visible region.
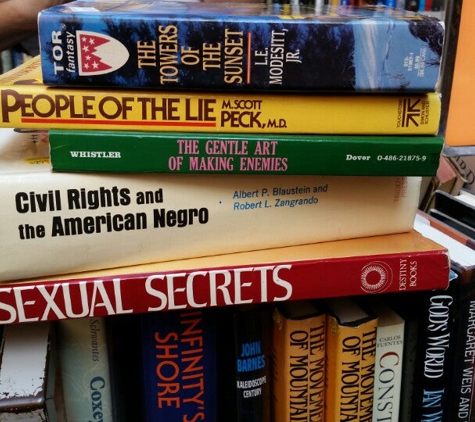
(388, 263)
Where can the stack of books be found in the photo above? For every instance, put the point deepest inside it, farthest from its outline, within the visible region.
(184, 156)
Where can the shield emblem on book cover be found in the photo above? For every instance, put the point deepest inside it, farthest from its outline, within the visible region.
(99, 53)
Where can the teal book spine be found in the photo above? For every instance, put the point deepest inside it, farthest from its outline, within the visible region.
(84, 358)
(169, 152)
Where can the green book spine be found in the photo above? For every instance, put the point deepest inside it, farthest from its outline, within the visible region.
(166, 152)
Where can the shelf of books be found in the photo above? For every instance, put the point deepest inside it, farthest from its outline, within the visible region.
(233, 212)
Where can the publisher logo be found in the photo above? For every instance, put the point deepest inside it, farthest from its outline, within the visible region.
(376, 277)
(410, 112)
(99, 54)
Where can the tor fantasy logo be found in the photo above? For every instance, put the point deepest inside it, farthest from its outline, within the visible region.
(99, 54)
(376, 277)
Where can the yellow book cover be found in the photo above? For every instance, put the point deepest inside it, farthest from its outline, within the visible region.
(298, 354)
(350, 359)
(25, 102)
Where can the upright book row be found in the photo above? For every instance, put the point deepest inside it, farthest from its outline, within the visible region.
(365, 357)
(298, 140)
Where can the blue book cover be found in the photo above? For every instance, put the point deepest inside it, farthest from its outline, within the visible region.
(179, 366)
(194, 45)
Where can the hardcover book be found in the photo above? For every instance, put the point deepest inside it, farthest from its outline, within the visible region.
(450, 231)
(244, 361)
(92, 221)
(125, 364)
(125, 151)
(179, 369)
(433, 374)
(26, 103)
(460, 388)
(239, 46)
(85, 370)
(30, 384)
(350, 361)
(456, 211)
(409, 307)
(388, 363)
(459, 207)
(392, 263)
(298, 361)
(453, 222)
(468, 196)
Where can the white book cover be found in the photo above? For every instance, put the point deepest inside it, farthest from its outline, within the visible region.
(28, 373)
(56, 223)
(389, 360)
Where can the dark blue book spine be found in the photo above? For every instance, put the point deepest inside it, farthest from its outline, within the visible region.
(412, 5)
(244, 365)
(179, 366)
(433, 371)
(246, 47)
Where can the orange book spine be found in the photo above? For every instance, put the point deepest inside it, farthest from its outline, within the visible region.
(298, 352)
(350, 358)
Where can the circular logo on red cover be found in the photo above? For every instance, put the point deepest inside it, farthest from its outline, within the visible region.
(376, 277)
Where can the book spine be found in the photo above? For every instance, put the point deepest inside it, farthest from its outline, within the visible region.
(6, 61)
(244, 361)
(219, 112)
(28, 104)
(450, 205)
(450, 221)
(433, 376)
(298, 368)
(388, 370)
(237, 51)
(222, 286)
(445, 229)
(28, 374)
(91, 220)
(179, 366)
(125, 362)
(412, 5)
(465, 164)
(411, 312)
(85, 369)
(461, 389)
(350, 358)
(116, 151)
(438, 5)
